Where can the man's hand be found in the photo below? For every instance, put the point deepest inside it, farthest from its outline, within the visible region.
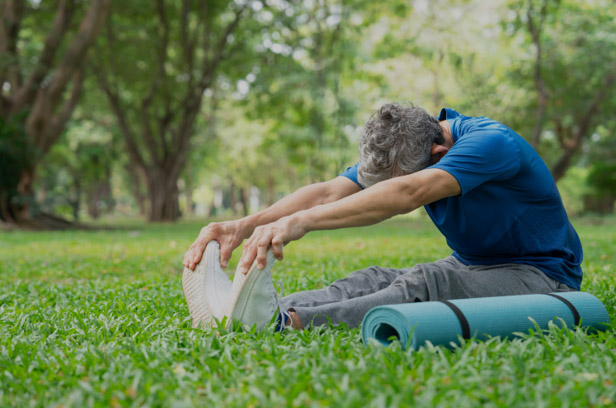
(275, 235)
(231, 234)
(228, 234)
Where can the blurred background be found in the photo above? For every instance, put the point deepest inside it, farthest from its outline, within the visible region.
(168, 109)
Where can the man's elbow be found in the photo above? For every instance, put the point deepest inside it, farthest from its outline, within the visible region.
(337, 189)
(319, 193)
(413, 196)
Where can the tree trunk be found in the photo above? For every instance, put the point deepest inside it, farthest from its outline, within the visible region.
(94, 197)
(163, 194)
(233, 198)
(76, 199)
(21, 210)
(271, 190)
(17, 208)
(562, 165)
(244, 197)
(157, 132)
(188, 193)
(107, 193)
(42, 96)
(135, 181)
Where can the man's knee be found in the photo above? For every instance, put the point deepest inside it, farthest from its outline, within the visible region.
(365, 281)
(412, 285)
(426, 281)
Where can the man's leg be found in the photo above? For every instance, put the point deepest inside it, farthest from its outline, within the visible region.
(359, 283)
(442, 280)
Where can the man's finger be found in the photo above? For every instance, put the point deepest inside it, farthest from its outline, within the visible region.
(197, 252)
(262, 252)
(248, 255)
(277, 247)
(264, 243)
(225, 255)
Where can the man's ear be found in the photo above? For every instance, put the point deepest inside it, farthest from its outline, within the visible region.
(438, 151)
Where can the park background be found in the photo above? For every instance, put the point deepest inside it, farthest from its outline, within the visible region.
(126, 125)
(163, 110)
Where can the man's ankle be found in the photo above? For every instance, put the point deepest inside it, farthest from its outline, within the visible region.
(294, 320)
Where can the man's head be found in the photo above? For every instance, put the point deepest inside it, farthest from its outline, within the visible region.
(397, 140)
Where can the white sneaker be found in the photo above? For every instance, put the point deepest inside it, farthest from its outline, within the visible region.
(253, 299)
(206, 288)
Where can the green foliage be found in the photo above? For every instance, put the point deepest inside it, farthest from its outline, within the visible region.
(37, 23)
(76, 168)
(578, 50)
(154, 95)
(99, 319)
(602, 161)
(573, 188)
(602, 178)
(310, 54)
(298, 79)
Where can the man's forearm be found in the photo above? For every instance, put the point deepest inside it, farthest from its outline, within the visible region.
(375, 204)
(304, 198)
(367, 207)
(380, 202)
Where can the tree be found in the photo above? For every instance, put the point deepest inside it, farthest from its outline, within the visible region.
(40, 89)
(572, 73)
(157, 60)
(311, 53)
(77, 170)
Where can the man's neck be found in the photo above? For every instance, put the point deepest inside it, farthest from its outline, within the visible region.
(446, 133)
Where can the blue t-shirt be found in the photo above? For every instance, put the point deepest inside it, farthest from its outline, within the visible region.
(509, 209)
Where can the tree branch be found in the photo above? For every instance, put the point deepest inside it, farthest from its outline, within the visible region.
(535, 32)
(48, 98)
(192, 101)
(210, 65)
(59, 27)
(58, 122)
(75, 54)
(155, 146)
(10, 24)
(572, 144)
(188, 45)
(119, 111)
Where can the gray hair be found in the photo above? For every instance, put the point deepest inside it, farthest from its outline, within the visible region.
(397, 140)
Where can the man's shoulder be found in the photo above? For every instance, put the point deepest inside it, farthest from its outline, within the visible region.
(481, 125)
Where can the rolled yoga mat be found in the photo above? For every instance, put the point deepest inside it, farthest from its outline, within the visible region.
(414, 324)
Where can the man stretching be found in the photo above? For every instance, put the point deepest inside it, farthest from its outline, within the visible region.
(484, 187)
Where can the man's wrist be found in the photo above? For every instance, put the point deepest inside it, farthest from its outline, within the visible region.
(302, 219)
(247, 225)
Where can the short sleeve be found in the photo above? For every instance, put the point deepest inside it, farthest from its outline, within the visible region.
(351, 174)
(481, 156)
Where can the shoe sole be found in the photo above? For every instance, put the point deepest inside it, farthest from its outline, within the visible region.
(194, 285)
(245, 282)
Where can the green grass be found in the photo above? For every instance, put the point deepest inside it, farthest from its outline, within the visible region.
(99, 319)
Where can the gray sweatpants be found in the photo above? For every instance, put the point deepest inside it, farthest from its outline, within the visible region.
(348, 300)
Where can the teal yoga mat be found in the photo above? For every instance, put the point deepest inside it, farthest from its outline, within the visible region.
(441, 323)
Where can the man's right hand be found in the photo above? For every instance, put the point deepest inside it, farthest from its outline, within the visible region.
(229, 235)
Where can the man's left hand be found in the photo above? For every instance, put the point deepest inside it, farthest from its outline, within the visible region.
(275, 235)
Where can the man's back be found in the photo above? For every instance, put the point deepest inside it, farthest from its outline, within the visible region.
(509, 210)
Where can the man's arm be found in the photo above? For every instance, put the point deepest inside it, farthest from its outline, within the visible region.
(230, 234)
(304, 198)
(395, 196)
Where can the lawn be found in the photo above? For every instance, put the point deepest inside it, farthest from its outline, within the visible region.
(98, 318)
